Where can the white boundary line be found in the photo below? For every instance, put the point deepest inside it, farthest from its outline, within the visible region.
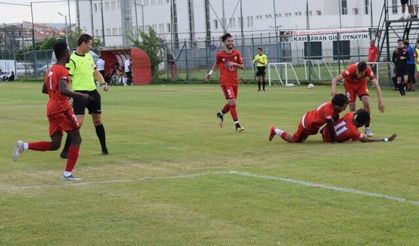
(237, 173)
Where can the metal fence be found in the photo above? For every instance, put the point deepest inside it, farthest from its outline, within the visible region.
(315, 58)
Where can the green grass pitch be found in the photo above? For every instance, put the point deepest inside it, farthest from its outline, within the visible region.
(173, 177)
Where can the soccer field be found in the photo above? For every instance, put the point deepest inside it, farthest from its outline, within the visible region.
(173, 177)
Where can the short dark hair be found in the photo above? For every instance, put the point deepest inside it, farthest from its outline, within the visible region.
(84, 38)
(406, 42)
(400, 40)
(361, 117)
(362, 66)
(59, 48)
(225, 36)
(260, 49)
(340, 100)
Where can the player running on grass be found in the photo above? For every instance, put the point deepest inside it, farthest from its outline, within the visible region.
(313, 120)
(60, 113)
(228, 60)
(346, 129)
(356, 85)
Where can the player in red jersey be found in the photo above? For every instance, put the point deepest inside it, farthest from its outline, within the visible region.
(355, 84)
(60, 113)
(346, 129)
(313, 120)
(227, 61)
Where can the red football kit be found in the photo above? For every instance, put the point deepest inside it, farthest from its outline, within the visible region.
(355, 86)
(60, 113)
(345, 130)
(228, 74)
(311, 121)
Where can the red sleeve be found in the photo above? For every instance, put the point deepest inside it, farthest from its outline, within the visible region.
(327, 112)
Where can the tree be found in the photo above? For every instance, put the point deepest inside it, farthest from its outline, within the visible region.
(152, 44)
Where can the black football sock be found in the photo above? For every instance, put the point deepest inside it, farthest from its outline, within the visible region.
(100, 132)
(263, 84)
(67, 144)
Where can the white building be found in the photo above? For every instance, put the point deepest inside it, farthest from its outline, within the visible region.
(122, 17)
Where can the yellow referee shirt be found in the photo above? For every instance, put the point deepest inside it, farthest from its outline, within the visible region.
(81, 68)
(261, 60)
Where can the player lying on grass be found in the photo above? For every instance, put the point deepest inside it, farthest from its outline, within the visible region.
(313, 120)
(346, 129)
(60, 113)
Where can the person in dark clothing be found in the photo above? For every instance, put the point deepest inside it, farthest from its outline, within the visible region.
(400, 58)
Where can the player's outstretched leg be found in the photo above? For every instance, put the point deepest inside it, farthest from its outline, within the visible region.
(274, 131)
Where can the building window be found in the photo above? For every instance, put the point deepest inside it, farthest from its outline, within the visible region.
(344, 7)
(319, 12)
(367, 5)
(95, 7)
(341, 50)
(168, 27)
(215, 24)
(107, 6)
(313, 50)
(108, 31)
(96, 32)
(394, 6)
(355, 11)
(114, 31)
(113, 5)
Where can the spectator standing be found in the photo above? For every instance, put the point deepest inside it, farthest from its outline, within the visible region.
(127, 69)
(411, 66)
(373, 56)
(400, 58)
(101, 66)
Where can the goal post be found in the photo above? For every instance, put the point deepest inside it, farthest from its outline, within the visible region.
(284, 72)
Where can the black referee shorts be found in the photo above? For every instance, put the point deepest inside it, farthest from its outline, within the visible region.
(260, 71)
(93, 106)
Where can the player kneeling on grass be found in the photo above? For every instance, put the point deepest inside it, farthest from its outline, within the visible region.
(346, 129)
(313, 120)
(60, 113)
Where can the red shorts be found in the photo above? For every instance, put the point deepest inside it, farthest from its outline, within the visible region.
(63, 121)
(355, 89)
(302, 133)
(230, 91)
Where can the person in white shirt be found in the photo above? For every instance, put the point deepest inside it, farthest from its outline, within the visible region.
(101, 66)
(128, 74)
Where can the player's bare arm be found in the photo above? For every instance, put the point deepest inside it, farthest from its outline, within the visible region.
(65, 90)
(241, 66)
(208, 76)
(331, 128)
(379, 95)
(334, 83)
(98, 77)
(370, 140)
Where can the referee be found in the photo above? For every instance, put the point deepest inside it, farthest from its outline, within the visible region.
(83, 73)
(261, 60)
